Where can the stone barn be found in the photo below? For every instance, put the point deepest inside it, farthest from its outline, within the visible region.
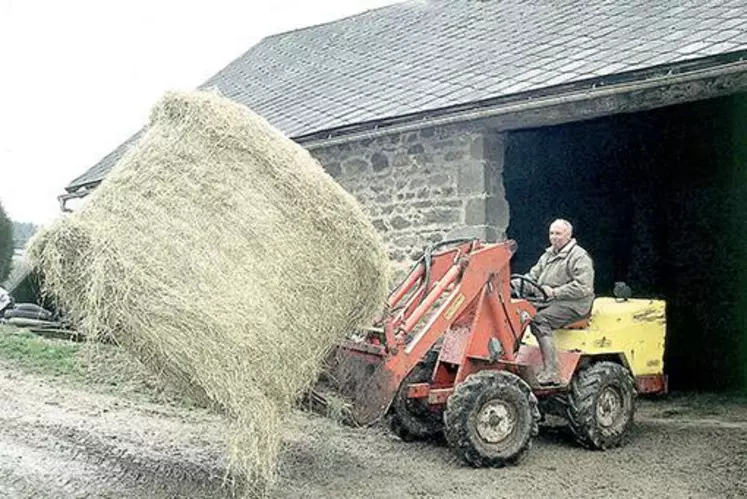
(452, 118)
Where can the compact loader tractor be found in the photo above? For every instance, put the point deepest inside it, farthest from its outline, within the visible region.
(453, 355)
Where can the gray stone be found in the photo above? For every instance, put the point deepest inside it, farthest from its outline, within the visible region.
(416, 149)
(444, 144)
(497, 211)
(405, 241)
(475, 211)
(402, 160)
(427, 133)
(453, 156)
(456, 203)
(355, 166)
(494, 234)
(417, 183)
(435, 237)
(379, 225)
(471, 178)
(467, 231)
(399, 223)
(422, 193)
(397, 255)
(333, 168)
(439, 179)
(441, 216)
(478, 148)
(379, 162)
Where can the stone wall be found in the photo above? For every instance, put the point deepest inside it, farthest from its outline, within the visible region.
(425, 186)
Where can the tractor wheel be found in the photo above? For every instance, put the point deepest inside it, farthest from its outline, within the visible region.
(491, 418)
(601, 405)
(413, 419)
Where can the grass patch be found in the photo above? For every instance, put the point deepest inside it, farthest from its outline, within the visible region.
(40, 355)
(100, 367)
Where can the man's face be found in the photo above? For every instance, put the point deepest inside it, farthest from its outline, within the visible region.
(559, 236)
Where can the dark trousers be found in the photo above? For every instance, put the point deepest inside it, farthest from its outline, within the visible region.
(553, 316)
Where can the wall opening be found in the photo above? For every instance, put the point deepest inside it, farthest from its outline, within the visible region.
(659, 199)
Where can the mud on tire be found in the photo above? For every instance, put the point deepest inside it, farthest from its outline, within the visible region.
(601, 405)
(491, 418)
(412, 419)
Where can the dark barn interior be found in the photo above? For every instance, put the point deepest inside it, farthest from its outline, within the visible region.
(659, 199)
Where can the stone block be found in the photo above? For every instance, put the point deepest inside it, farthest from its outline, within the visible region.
(406, 240)
(333, 168)
(439, 180)
(355, 166)
(471, 178)
(452, 156)
(441, 216)
(400, 222)
(497, 211)
(415, 149)
(427, 133)
(379, 162)
(379, 225)
(478, 149)
(475, 211)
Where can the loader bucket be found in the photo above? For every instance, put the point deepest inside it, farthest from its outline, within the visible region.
(356, 384)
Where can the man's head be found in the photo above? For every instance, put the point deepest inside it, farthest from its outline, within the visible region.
(561, 231)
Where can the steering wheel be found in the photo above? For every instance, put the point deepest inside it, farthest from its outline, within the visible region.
(524, 279)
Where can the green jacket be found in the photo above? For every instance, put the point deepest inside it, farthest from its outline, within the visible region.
(570, 272)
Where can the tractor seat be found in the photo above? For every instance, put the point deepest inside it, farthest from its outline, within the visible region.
(579, 324)
(582, 323)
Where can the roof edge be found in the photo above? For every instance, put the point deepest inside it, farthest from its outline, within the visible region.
(588, 89)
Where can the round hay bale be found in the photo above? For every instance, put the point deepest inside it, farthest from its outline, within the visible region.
(215, 210)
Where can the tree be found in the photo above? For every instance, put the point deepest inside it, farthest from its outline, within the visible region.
(6, 244)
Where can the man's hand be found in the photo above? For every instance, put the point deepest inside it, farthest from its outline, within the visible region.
(550, 292)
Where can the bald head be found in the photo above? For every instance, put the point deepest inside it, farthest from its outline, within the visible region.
(561, 231)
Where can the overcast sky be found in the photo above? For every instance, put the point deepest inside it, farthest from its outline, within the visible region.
(78, 77)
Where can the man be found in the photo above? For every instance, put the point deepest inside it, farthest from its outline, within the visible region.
(565, 272)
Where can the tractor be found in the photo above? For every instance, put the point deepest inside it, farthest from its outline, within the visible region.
(452, 356)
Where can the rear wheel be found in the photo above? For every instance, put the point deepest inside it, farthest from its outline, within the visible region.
(414, 419)
(601, 405)
(491, 418)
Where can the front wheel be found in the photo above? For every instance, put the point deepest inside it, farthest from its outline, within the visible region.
(601, 405)
(414, 419)
(491, 418)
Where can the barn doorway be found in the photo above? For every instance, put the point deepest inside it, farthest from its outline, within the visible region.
(659, 199)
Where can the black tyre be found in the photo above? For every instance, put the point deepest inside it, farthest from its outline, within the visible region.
(601, 405)
(413, 419)
(491, 418)
(39, 314)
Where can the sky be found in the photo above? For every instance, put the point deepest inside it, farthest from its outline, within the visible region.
(78, 77)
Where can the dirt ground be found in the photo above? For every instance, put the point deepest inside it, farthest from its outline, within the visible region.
(58, 440)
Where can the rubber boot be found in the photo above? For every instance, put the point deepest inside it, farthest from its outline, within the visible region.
(550, 375)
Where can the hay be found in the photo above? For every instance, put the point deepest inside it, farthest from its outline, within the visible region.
(224, 258)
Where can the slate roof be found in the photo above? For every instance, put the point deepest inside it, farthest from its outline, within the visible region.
(425, 55)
